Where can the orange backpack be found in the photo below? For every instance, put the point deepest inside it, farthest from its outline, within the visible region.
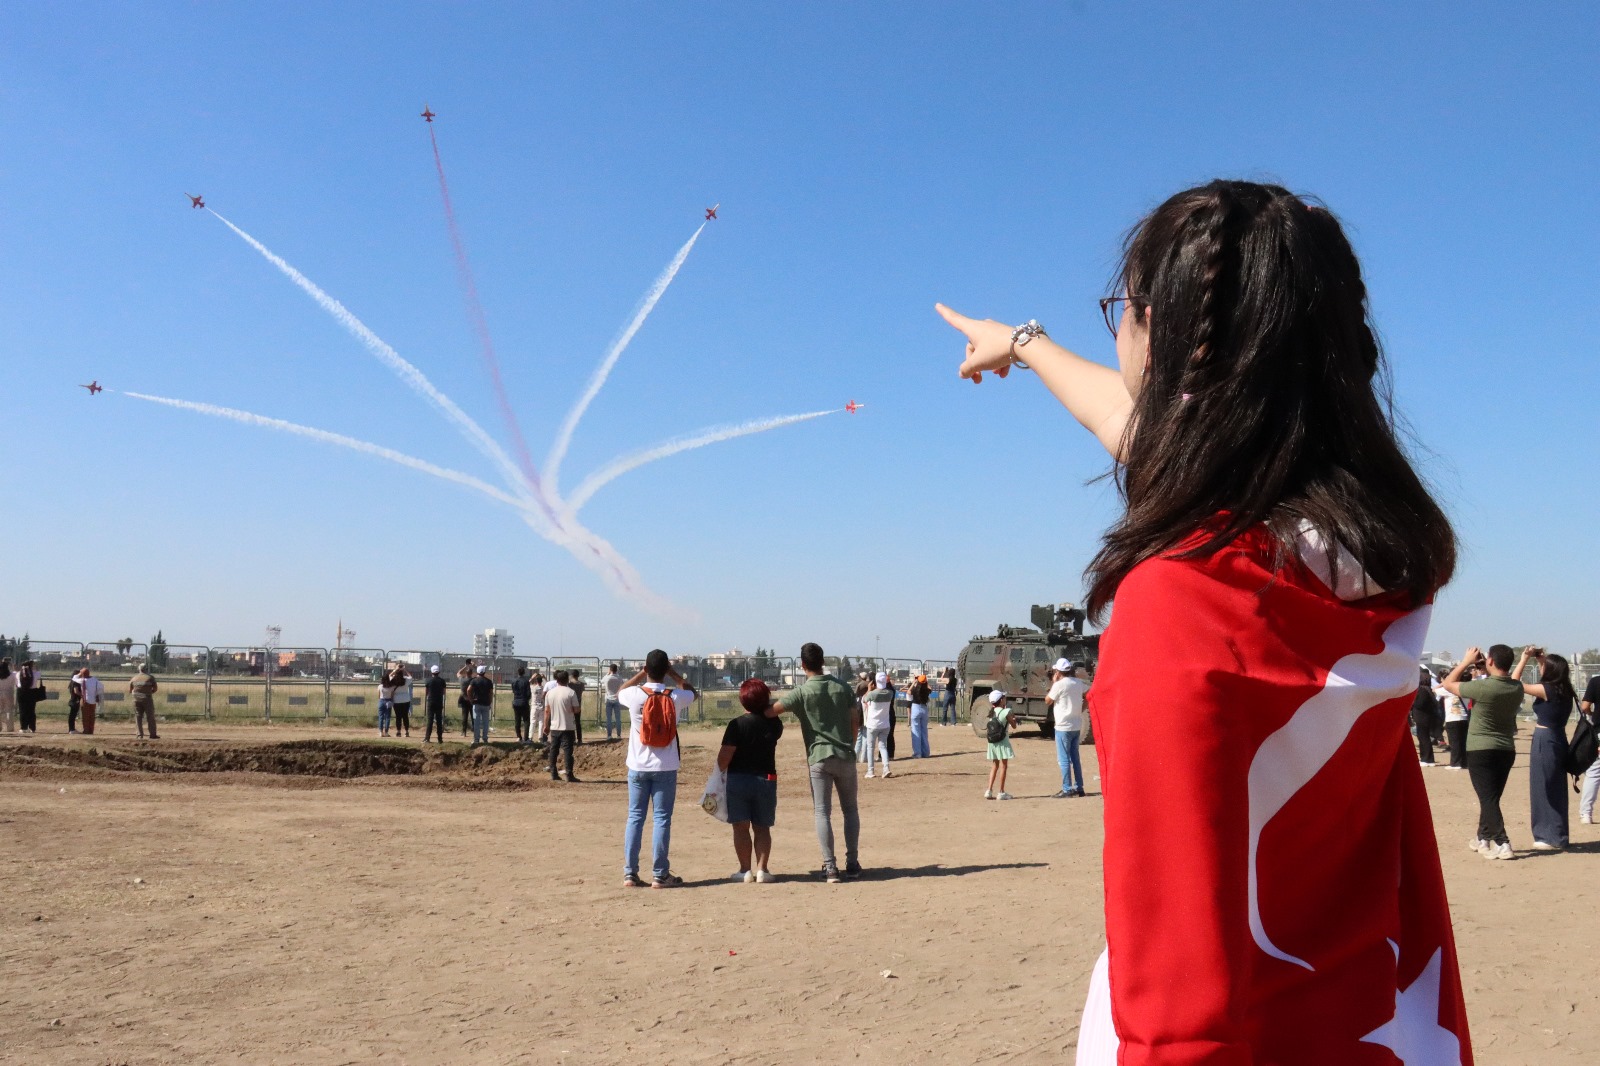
(658, 719)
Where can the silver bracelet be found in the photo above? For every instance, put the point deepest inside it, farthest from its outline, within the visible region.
(1021, 336)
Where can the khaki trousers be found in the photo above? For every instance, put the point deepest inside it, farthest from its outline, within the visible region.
(144, 715)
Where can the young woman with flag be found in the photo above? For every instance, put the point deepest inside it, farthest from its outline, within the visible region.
(1273, 888)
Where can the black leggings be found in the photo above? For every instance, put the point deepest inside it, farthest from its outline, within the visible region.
(1458, 742)
(402, 718)
(1490, 769)
(522, 712)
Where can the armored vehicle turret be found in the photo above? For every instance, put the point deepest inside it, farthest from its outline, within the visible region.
(1017, 660)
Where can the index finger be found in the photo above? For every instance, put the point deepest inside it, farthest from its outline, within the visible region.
(955, 318)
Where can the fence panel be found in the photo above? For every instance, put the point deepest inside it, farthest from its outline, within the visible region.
(298, 684)
(183, 680)
(353, 675)
(239, 684)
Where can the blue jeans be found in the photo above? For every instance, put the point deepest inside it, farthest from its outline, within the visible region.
(1067, 758)
(649, 788)
(613, 718)
(947, 710)
(480, 723)
(919, 732)
(384, 709)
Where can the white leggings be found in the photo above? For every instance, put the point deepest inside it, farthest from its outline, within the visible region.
(1591, 787)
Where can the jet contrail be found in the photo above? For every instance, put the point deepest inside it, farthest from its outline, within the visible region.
(617, 467)
(339, 439)
(589, 549)
(558, 451)
(413, 377)
(480, 322)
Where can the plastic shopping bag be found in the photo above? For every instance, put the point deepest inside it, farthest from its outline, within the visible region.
(714, 800)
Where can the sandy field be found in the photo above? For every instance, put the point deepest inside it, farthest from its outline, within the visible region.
(459, 907)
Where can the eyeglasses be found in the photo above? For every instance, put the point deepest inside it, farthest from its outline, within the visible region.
(1111, 309)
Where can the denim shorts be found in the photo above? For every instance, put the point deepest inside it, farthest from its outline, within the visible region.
(752, 798)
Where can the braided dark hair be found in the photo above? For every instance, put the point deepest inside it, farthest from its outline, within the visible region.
(1265, 399)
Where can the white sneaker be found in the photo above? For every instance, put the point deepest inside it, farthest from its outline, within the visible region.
(745, 877)
(1499, 851)
(1586, 819)
(987, 794)
(1480, 846)
(1428, 763)
(888, 774)
(762, 877)
(1005, 796)
(1539, 845)
(871, 774)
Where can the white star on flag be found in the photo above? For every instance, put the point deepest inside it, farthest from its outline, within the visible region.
(1414, 1033)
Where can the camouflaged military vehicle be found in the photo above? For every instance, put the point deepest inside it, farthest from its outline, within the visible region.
(1017, 661)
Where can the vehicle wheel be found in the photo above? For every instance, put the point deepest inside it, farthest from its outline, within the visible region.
(978, 713)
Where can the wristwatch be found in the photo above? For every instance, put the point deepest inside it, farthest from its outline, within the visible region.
(1021, 336)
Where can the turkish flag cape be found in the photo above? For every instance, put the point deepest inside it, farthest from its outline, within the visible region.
(1273, 890)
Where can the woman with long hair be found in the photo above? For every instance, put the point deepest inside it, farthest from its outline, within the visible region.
(1553, 700)
(1270, 582)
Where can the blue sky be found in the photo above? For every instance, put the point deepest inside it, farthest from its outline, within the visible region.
(870, 159)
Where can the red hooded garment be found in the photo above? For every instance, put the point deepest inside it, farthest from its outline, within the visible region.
(1273, 890)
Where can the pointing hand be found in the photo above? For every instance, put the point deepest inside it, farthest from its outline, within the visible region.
(988, 344)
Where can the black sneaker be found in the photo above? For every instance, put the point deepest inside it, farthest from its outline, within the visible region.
(830, 873)
(852, 871)
(666, 881)
(631, 881)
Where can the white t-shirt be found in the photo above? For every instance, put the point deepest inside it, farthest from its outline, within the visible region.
(875, 709)
(562, 704)
(1067, 695)
(93, 690)
(1454, 710)
(402, 691)
(613, 685)
(641, 756)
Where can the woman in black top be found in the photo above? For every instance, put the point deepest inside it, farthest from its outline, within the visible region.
(749, 757)
(1547, 770)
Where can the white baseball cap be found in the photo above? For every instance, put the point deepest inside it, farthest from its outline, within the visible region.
(1062, 666)
(435, 669)
(883, 678)
(483, 669)
(996, 696)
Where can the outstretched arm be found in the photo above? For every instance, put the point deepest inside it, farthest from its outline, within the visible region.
(1094, 394)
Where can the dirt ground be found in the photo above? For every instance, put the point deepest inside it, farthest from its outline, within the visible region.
(313, 895)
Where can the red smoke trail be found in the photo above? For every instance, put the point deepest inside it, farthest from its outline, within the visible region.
(480, 324)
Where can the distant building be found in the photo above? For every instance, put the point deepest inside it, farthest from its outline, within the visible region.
(493, 644)
(721, 659)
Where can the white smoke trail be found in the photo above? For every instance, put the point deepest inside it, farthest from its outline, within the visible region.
(408, 373)
(582, 544)
(617, 467)
(339, 439)
(558, 451)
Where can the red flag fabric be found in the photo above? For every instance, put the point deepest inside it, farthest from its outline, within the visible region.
(1273, 889)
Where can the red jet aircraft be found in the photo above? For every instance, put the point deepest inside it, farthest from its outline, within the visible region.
(427, 115)
(853, 407)
(93, 387)
(196, 201)
(711, 212)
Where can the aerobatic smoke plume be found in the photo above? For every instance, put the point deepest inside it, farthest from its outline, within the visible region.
(558, 451)
(633, 460)
(339, 439)
(536, 499)
(480, 322)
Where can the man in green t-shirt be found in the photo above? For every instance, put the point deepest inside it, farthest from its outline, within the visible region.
(829, 720)
(1491, 740)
